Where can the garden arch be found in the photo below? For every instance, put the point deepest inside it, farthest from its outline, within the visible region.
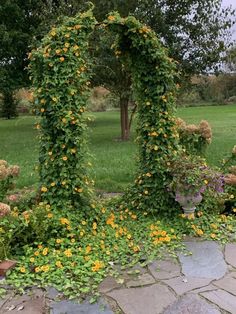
(60, 71)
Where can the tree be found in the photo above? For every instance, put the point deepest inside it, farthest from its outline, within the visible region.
(18, 24)
(195, 32)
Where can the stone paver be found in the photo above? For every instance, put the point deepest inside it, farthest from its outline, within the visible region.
(204, 289)
(142, 280)
(206, 261)
(182, 285)
(69, 307)
(164, 269)
(223, 299)
(108, 284)
(191, 304)
(145, 300)
(227, 283)
(230, 254)
(24, 305)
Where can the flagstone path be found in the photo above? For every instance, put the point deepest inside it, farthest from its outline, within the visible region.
(201, 283)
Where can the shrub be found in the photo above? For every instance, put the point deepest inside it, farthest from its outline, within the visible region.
(194, 138)
(7, 175)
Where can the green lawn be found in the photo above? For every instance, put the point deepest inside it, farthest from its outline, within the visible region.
(114, 161)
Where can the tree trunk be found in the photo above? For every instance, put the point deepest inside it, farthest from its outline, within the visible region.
(124, 118)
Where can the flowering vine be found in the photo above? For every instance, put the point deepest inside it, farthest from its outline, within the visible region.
(61, 79)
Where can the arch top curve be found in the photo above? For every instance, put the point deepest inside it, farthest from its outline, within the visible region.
(60, 71)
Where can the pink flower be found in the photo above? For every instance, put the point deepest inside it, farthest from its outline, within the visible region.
(4, 209)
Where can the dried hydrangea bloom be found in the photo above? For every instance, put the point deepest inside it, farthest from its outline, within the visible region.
(232, 169)
(14, 171)
(234, 150)
(230, 179)
(181, 124)
(205, 130)
(4, 209)
(3, 172)
(3, 163)
(191, 128)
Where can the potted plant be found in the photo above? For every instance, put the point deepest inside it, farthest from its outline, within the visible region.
(191, 177)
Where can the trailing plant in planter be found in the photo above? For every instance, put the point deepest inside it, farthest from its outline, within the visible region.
(191, 179)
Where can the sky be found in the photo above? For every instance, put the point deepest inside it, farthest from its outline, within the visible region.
(226, 3)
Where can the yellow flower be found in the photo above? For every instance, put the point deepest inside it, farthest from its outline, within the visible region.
(73, 150)
(58, 51)
(164, 98)
(63, 183)
(68, 253)
(148, 174)
(234, 210)
(213, 235)
(22, 270)
(50, 153)
(111, 18)
(97, 265)
(62, 59)
(37, 269)
(65, 49)
(59, 264)
(88, 249)
(103, 210)
(44, 189)
(58, 241)
(231, 196)
(206, 182)
(50, 215)
(64, 221)
(45, 251)
(45, 268)
(53, 184)
(199, 232)
(40, 246)
(72, 240)
(163, 233)
(214, 226)
(146, 192)
(94, 226)
(65, 158)
(42, 110)
(67, 35)
(83, 222)
(32, 259)
(155, 147)
(153, 133)
(81, 233)
(67, 45)
(80, 190)
(77, 26)
(53, 33)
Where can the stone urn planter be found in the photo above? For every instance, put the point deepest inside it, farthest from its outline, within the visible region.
(188, 202)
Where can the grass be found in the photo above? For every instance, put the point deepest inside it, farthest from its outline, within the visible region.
(113, 161)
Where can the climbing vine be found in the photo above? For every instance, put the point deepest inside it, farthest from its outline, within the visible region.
(60, 71)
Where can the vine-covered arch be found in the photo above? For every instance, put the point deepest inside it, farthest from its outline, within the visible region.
(60, 71)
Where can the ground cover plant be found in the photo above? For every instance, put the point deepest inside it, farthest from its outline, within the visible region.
(67, 238)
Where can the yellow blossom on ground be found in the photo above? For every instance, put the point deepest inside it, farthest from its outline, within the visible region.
(62, 59)
(32, 259)
(68, 253)
(73, 150)
(213, 235)
(36, 253)
(58, 241)
(88, 249)
(72, 240)
(22, 270)
(64, 221)
(199, 232)
(37, 269)
(65, 158)
(97, 265)
(45, 268)
(53, 184)
(50, 215)
(45, 251)
(59, 264)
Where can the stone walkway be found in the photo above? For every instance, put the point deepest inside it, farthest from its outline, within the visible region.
(201, 283)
